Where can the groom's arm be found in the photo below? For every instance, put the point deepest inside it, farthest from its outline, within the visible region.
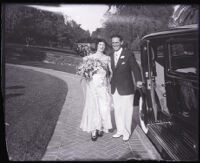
(135, 67)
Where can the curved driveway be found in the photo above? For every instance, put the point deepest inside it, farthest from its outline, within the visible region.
(70, 143)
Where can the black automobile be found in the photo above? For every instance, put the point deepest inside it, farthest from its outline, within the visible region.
(168, 103)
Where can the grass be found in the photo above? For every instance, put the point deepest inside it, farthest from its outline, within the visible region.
(60, 61)
(32, 105)
(64, 68)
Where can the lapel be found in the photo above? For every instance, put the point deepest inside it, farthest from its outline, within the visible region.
(112, 62)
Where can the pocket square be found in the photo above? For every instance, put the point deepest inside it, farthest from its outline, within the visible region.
(122, 57)
(123, 63)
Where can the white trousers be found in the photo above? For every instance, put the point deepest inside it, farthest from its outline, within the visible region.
(123, 111)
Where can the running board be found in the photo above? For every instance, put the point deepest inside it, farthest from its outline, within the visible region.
(170, 144)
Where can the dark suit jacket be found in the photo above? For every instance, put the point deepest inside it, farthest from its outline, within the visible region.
(122, 77)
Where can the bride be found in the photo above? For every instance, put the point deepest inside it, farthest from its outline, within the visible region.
(96, 117)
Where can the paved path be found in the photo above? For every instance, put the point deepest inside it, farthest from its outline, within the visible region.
(70, 143)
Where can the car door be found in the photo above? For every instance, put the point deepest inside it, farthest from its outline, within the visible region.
(159, 64)
(182, 76)
(149, 74)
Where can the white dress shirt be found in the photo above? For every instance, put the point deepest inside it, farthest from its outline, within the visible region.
(116, 55)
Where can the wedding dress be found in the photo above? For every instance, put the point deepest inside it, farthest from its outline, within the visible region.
(96, 113)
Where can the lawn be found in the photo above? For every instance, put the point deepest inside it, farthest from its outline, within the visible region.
(33, 102)
(61, 61)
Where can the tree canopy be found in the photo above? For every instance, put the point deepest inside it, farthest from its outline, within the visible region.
(132, 22)
(185, 15)
(25, 24)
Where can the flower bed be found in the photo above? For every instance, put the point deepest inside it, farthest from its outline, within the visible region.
(61, 59)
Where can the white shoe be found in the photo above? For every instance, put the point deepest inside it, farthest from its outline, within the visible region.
(126, 138)
(116, 135)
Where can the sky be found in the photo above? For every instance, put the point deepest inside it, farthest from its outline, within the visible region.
(89, 16)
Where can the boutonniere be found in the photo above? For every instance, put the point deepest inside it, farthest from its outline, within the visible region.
(123, 63)
(122, 57)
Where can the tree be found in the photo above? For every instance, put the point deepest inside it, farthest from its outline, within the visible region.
(24, 24)
(185, 15)
(135, 21)
(12, 20)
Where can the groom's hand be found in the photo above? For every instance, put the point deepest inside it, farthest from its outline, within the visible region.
(140, 84)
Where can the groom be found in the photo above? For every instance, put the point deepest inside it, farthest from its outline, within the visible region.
(123, 63)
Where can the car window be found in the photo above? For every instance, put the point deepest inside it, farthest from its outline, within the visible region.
(183, 57)
(160, 51)
(160, 54)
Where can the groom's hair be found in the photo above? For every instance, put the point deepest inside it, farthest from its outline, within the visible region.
(118, 36)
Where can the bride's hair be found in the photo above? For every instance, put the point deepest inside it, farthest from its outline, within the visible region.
(98, 41)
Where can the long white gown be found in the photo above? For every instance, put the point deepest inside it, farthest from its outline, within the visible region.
(96, 113)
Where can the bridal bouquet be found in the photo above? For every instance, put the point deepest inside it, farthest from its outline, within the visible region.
(89, 67)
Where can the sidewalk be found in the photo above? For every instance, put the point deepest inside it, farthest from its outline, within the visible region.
(69, 142)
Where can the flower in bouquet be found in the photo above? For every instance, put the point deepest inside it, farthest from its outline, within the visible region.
(89, 67)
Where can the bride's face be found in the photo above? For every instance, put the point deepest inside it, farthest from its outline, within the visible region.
(101, 47)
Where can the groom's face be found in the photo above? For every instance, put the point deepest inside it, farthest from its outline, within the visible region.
(116, 43)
